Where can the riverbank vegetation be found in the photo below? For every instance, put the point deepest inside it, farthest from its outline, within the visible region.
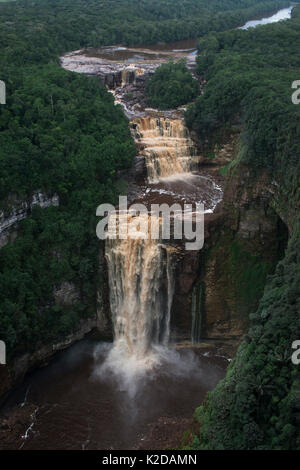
(171, 85)
(249, 76)
(60, 133)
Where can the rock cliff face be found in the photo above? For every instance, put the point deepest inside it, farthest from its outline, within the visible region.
(218, 287)
(18, 210)
(215, 288)
(64, 295)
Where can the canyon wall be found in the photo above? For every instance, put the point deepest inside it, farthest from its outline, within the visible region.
(218, 287)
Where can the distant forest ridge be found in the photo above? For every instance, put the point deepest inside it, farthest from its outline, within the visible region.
(37, 31)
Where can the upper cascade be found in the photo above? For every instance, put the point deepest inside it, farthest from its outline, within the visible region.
(167, 146)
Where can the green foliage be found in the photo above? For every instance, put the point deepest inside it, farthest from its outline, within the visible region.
(171, 85)
(36, 32)
(61, 133)
(249, 273)
(257, 405)
(249, 76)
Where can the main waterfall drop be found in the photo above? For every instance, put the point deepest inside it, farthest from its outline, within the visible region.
(141, 292)
(140, 269)
(141, 288)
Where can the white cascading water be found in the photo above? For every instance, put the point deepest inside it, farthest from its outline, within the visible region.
(141, 290)
(139, 300)
(167, 147)
(140, 269)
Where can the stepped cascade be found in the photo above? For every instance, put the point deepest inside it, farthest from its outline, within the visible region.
(140, 268)
(166, 145)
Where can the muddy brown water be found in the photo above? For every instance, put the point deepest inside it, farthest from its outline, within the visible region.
(144, 52)
(188, 46)
(184, 189)
(70, 408)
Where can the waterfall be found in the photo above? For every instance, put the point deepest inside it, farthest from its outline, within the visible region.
(140, 269)
(141, 293)
(128, 76)
(167, 147)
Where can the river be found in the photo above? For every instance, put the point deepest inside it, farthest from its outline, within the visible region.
(281, 15)
(131, 394)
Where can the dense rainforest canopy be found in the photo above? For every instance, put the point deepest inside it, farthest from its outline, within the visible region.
(171, 85)
(249, 86)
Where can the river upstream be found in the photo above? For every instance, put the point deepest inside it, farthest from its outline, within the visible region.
(141, 391)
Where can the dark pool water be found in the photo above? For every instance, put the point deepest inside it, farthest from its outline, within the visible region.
(71, 408)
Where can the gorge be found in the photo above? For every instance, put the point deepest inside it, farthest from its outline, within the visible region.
(142, 280)
(174, 316)
(141, 269)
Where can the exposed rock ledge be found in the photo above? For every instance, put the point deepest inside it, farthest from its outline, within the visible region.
(19, 210)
